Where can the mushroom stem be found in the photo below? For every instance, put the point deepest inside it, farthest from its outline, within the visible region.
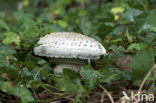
(60, 66)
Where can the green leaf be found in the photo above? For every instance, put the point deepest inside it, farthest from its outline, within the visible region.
(48, 28)
(129, 37)
(11, 37)
(81, 12)
(69, 82)
(23, 17)
(62, 2)
(111, 75)
(36, 83)
(85, 25)
(93, 77)
(19, 91)
(136, 46)
(6, 50)
(29, 32)
(116, 51)
(151, 19)
(153, 29)
(129, 15)
(79, 1)
(4, 25)
(141, 64)
(70, 73)
(90, 76)
(62, 24)
(65, 84)
(30, 61)
(2, 15)
(11, 72)
(153, 88)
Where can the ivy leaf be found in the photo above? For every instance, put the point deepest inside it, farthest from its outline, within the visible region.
(90, 76)
(69, 82)
(65, 84)
(25, 18)
(111, 75)
(2, 15)
(93, 77)
(62, 24)
(11, 37)
(153, 29)
(62, 2)
(6, 50)
(17, 90)
(116, 51)
(136, 46)
(151, 19)
(48, 28)
(141, 64)
(12, 73)
(79, 1)
(129, 15)
(4, 25)
(70, 73)
(29, 32)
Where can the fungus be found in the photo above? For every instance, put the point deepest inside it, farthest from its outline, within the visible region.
(69, 50)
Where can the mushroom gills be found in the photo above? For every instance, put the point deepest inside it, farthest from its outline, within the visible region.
(60, 66)
(69, 60)
(73, 64)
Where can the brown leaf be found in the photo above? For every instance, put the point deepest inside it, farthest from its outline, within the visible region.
(5, 76)
(123, 63)
(44, 95)
(11, 85)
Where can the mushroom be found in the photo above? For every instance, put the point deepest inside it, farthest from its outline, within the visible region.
(69, 50)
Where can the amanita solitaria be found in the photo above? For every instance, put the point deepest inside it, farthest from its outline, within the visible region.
(69, 50)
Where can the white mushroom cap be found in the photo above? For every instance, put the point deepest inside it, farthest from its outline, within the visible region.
(69, 45)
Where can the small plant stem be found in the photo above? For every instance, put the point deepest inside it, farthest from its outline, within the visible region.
(35, 93)
(82, 4)
(146, 77)
(99, 4)
(54, 93)
(78, 27)
(37, 73)
(150, 43)
(108, 94)
(102, 97)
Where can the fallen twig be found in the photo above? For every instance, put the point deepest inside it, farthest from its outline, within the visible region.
(108, 94)
(146, 77)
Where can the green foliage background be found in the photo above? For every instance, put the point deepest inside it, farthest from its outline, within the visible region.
(127, 29)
